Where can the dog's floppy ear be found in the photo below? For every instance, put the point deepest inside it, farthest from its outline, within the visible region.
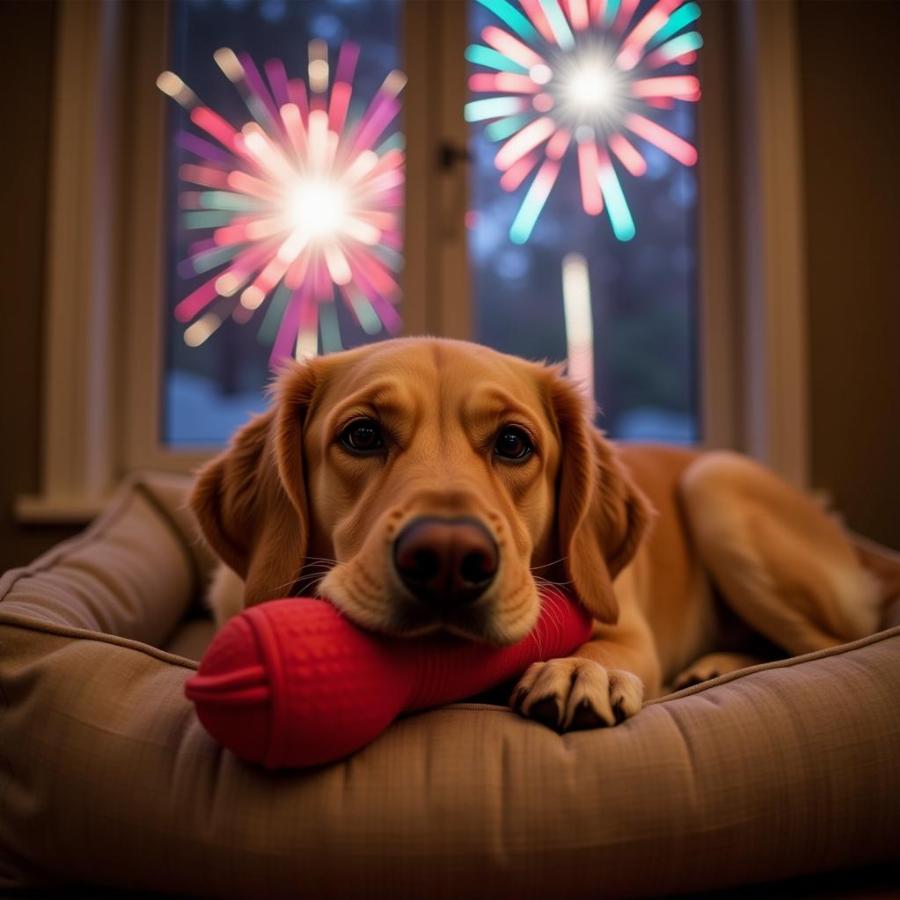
(250, 500)
(601, 514)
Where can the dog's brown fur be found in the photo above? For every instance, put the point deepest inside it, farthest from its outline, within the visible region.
(287, 506)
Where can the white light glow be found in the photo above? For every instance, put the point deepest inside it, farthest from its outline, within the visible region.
(197, 333)
(540, 74)
(318, 66)
(591, 90)
(228, 62)
(317, 207)
(592, 87)
(169, 83)
(252, 297)
(579, 324)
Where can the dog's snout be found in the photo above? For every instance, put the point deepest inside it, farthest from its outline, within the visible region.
(446, 561)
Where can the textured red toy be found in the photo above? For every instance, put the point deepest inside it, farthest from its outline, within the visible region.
(293, 683)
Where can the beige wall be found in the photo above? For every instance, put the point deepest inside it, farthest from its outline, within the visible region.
(850, 94)
(26, 48)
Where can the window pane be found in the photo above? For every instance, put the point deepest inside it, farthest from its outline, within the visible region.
(284, 196)
(583, 231)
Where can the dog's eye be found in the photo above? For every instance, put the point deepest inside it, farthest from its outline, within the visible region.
(362, 436)
(513, 443)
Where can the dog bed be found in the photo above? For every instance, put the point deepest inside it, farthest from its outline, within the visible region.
(107, 777)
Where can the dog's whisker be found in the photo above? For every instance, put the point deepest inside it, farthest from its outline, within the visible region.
(309, 580)
(317, 569)
(550, 601)
(552, 606)
(556, 612)
(306, 573)
(555, 562)
(286, 586)
(309, 573)
(547, 582)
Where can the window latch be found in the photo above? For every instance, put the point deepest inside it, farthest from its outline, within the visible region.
(449, 154)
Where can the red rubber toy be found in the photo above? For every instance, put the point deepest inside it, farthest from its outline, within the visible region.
(293, 683)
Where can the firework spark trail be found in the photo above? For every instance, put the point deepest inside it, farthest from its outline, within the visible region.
(581, 75)
(296, 206)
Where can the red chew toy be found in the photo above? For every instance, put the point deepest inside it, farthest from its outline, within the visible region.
(294, 683)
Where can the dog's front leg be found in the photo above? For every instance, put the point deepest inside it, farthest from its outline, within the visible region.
(602, 683)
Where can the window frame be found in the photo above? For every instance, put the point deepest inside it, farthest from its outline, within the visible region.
(102, 359)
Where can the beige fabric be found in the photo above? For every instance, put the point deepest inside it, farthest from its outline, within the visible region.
(107, 777)
(133, 573)
(191, 638)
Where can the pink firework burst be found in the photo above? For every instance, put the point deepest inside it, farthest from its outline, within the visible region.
(581, 76)
(294, 207)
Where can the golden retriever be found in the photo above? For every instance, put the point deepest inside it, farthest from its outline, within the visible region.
(424, 484)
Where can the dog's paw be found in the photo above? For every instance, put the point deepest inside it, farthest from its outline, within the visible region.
(712, 666)
(572, 693)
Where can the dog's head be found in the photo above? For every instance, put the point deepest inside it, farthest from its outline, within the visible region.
(422, 484)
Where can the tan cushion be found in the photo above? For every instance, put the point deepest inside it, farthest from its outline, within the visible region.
(107, 777)
(133, 573)
(191, 638)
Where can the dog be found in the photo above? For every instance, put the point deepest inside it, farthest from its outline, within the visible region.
(426, 484)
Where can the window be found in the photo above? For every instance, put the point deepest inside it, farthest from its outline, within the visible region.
(279, 242)
(578, 284)
(583, 227)
(736, 309)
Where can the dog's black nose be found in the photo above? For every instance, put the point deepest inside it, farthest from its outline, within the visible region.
(446, 561)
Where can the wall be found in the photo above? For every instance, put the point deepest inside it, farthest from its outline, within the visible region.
(850, 96)
(26, 48)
